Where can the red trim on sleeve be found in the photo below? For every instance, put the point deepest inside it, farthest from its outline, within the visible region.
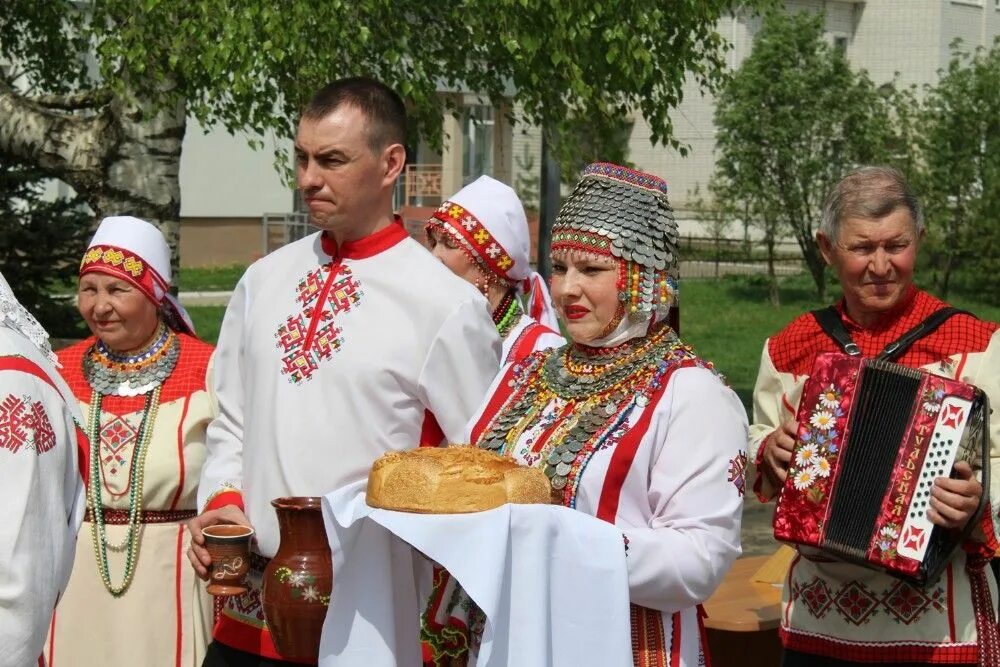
(785, 403)
(621, 459)
(431, 434)
(231, 497)
(961, 366)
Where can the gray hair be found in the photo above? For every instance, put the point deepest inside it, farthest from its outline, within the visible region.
(870, 193)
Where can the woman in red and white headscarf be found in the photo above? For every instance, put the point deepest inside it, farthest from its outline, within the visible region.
(141, 380)
(481, 234)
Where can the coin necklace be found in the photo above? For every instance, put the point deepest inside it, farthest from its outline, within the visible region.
(599, 388)
(110, 373)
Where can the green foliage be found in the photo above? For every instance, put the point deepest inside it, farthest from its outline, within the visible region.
(41, 244)
(959, 175)
(791, 121)
(582, 141)
(250, 65)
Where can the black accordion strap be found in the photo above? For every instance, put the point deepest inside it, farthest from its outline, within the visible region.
(898, 347)
(829, 321)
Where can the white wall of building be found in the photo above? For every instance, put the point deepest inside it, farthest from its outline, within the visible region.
(223, 177)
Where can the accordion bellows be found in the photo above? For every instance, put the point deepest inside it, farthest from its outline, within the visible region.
(872, 438)
(452, 480)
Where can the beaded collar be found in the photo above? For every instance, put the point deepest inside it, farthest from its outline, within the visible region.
(113, 373)
(581, 397)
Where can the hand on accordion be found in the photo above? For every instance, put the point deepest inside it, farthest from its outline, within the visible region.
(954, 500)
(778, 452)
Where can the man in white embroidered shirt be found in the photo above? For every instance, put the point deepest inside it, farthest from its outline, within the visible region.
(336, 348)
(42, 452)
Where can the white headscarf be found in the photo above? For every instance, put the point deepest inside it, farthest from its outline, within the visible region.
(15, 316)
(487, 220)
(135, 251)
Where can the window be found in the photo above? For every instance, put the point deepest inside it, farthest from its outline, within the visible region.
(477, 142)
(840, 43)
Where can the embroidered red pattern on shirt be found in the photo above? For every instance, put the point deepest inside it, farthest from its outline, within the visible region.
(737, 472)
(857, 603)
(23, 423)
(312, 336)
(118, 440)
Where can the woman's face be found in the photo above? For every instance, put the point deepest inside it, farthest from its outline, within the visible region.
(585, 294)
(116, 312)
(445, 248)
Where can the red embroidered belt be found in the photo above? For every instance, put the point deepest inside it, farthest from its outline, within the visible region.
(115, 517)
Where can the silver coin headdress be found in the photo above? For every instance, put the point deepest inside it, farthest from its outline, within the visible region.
(622, 213)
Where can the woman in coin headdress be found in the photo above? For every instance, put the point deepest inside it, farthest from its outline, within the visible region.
(141, 381)
(627, 422)
(481, 234)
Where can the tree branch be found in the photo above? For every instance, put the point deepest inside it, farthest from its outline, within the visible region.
(90, 99)
(71, 148)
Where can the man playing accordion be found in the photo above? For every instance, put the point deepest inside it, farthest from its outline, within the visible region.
(838, 613)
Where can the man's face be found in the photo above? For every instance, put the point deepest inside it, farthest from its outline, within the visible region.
(342, 181)
(874, 261)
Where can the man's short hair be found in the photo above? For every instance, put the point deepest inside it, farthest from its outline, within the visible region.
(380, 104)
(870, 193)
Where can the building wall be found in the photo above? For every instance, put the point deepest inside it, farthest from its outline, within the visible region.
(222, 176)
(220, 241)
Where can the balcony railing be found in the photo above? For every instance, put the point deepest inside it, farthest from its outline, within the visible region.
(422, 185)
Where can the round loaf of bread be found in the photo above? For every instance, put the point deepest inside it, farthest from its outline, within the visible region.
(452, 480)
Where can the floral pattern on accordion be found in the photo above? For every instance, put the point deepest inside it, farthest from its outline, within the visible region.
(823, 416)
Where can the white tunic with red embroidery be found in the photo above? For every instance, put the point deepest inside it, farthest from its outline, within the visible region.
(327, 359)
(43, 494)
(672, 481)
(528, 336)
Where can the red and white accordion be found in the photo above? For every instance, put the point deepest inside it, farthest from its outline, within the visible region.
(872, 438)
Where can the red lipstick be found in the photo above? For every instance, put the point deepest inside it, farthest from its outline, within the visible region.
(575, 312)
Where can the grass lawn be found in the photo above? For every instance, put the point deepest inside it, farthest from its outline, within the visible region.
(207, 320)
(726, 320)
(210, 279)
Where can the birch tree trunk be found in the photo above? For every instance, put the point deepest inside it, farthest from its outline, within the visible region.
(123, 158)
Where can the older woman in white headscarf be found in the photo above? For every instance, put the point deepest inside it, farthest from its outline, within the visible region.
(41, 482)
(141, 381)
(481, 234)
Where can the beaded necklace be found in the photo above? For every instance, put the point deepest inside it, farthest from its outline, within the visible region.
(112, 373)
(506, 314)
(580, 399)
(135, 489)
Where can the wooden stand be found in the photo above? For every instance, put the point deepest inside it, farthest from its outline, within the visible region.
(742, 621)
